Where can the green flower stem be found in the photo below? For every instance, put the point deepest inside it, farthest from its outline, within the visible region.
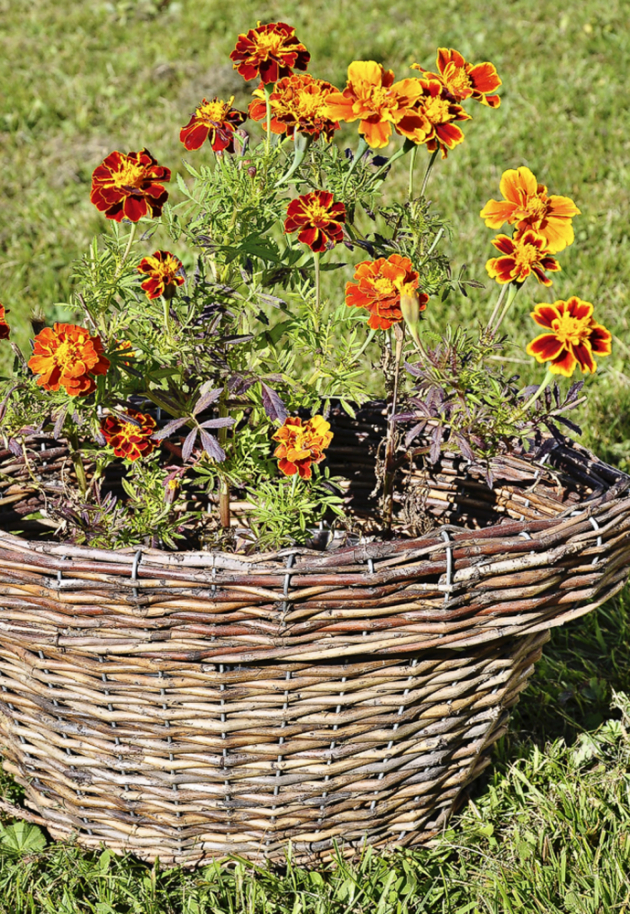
(514, 287)
(412, 165)
(388, 473)
(367, 342)
(77, 462)
(546, 381)
(497, 306)
(317, 286)
(294, 482)
(132, 235)
(404, 149)
(361, 148)
(167, 316)
(302, 142)
(428, 171)
(268, 89)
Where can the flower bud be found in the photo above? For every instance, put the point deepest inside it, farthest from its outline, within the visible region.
(410, 308)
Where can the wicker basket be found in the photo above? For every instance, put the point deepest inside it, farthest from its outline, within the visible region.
(192, 705)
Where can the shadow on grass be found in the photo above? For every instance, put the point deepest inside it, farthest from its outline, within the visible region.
(571, 689)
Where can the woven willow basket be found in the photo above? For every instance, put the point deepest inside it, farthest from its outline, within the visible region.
(193, 705)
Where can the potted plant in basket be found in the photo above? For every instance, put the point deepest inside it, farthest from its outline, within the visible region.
(226, 576)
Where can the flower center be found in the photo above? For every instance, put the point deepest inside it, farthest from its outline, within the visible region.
(214, 112)
(268, 44)
(68, 353)
(537, 209)
(570, 329)
(128, 431)
(526, 254)
(457, 80)
(316, 213)
(384, 286)
(129, 175)
(436, 110)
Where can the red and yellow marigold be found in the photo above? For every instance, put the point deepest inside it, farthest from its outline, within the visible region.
(464, 80)
(317, 219)
(5, 330)
(269, 53)
(379, 104)
(67, 356)
(572, 336)
(214, 121)
(301, 445)
(521, 255)
(164, 273)
(526, 204)
(130, 437)
(378, 287)
(297, 102)
(130, 186)
(439, 113)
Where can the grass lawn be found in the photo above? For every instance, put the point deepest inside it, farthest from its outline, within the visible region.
(550, 829)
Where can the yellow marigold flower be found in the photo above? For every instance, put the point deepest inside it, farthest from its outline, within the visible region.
(527, 205)
(523, 254)
(373, 98)
(297, 102)
(67, 356)
(572, 336)
(464, 80)
(301, 445)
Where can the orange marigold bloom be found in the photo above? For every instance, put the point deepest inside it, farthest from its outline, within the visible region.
(439, 111)
(164, 273)
(317, 219)
(572, 336)
(297, 103)
(214, 121)
(269, 52)
(523, 254)
(527, 205)
(5, 330)
(130, 439)
(301, 445)
(464, 80)
(67, 356)
(373, 98)
(130, 186)
(379, 286)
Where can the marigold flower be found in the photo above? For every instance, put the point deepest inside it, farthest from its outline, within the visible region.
(132, 439)
(439, 111)
(572, 336)
(317, 219)
(214, 121)
(67, 356)
(527, 205)
(301, 445)
(269, 52)
(164, 273)
(5, 330)
(464, 80)
(523, 254)
(379, 286)
(372, 97)
(130, 186)
(297, 103)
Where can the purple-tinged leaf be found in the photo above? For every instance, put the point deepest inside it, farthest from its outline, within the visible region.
(404, 417)
(465, 447)
(219, 423)
(169, 428)
(206, 400)
(414, 432)
(569, 424)
(528, 391)
(15, 447)
(189, 444)
(99, 437)
(489, 477)
(436, 444)
(574, 391)
(211, 446)
(59, 421)
(274, 407)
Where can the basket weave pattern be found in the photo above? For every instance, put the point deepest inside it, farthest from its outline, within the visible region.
(192, 705)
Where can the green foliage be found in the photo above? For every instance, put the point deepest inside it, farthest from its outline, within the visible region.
(287, 510)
